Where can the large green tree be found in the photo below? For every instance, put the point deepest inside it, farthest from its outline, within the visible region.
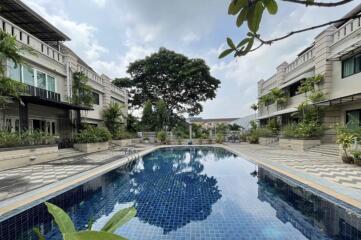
(161, 115)
(182, 83)
(148, 116)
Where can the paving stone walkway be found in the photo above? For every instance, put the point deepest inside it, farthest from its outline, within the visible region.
(20, 180)
(325, 166)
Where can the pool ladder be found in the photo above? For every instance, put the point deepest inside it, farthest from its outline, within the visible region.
(132, 154)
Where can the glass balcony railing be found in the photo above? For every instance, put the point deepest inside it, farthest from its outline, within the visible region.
(42, 93)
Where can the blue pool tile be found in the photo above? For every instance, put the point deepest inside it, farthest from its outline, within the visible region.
(194, 193)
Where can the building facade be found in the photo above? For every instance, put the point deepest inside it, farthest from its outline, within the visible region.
(47, 73)
(212, 123)
(336, 55)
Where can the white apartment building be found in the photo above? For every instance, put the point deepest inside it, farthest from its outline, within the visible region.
(335, 54)
(48, 76)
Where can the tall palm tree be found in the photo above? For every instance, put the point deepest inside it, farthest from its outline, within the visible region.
(254, 107)
(113, 117)
(279, 97)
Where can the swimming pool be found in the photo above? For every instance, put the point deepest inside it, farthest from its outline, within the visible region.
(195, 193)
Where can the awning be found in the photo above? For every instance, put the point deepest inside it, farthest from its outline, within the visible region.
(298, 78)
(340, 100)
(278, 113)
(52, 103)
(21, 15)
(349, 51)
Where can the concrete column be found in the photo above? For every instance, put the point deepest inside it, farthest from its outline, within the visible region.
(322, 52)
(23, 116)
(107, 84)
(281, 73)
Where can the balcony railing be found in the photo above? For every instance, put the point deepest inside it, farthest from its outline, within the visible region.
(43, 93)
(31, 41)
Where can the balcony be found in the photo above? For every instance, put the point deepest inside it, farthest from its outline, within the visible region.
(42, 93)
(31, 41)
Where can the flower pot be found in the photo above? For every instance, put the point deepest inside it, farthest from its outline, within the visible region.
(347, 159)
(357, 162)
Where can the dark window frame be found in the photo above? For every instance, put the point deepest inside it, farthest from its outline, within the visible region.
(354, 110)
(96, 98)
(354, 58)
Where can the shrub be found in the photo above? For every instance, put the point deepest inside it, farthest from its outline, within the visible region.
(9, 139)
(121, 134)
(356, 155)
(303, 129)
(273, 126)
(263, 132)
(93, 135)
(243, 137)
(162, 136)
(345, 138)
(14, 139)
(219, 138)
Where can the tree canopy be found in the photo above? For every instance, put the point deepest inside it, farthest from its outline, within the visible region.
(181, 82)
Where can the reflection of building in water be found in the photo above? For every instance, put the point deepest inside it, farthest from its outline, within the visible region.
(305, 210)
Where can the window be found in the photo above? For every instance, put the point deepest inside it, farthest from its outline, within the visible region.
(351, 66)
(41, 80)
(51, 83)
(96, 98)
(294, 88)
(14, 71)
(28, 75)
(353, 118)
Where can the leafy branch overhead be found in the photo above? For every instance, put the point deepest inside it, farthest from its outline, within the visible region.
(250, 12)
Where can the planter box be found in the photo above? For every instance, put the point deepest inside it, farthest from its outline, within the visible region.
(23, 156)
(126, 142)
(91, 147)
(267, 140)
(298, 144)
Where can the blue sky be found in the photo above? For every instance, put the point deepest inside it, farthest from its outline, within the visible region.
(109, 34)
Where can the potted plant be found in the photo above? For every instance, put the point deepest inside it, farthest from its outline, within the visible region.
(162, 137)
(92, 139)
(345, 139)
(356, 157)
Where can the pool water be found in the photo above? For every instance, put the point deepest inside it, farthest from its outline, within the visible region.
(194, 193)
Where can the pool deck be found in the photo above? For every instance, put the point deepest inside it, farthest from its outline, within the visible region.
(24, 187)
(323, 173)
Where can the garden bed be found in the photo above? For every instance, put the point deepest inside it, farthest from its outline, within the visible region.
(298, 144)
(91, 147)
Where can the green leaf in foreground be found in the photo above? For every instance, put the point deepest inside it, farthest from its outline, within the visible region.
(92, 235)
(225, 53)
(119, 219)
(271, 6)
(230, 43)
(254, 17)
(38, 234)
(61, 218)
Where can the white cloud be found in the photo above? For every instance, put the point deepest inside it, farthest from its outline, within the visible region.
(100, 3)
(143, 26)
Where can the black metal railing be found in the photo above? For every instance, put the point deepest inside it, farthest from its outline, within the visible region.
(43, 93)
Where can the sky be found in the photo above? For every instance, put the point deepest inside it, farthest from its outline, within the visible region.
(110, 34)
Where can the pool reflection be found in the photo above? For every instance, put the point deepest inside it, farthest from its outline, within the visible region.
(305, 210)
